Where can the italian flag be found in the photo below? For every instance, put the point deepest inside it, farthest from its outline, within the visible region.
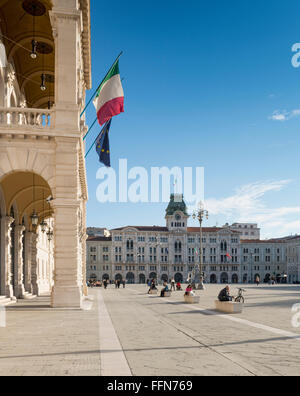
(109, 100)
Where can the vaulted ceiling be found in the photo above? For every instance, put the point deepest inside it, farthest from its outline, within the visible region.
(22, 21)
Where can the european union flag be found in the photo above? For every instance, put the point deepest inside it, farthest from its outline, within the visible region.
(102, 145)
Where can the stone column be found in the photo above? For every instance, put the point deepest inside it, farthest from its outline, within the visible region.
(85, 289)
(66, 21)
(67, 291)
(19, 277)
(6, 287)
(28, 260)
(34, 278)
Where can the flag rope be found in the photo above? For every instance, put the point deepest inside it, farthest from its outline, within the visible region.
(91, 127)
(96, 139)
(83, 111)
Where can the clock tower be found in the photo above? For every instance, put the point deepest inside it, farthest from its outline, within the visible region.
(176, 213)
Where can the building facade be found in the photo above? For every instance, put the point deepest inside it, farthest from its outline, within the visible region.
(139, 253)
(44, 74)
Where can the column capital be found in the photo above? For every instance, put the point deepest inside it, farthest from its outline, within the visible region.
(20, 228)
(8, 220)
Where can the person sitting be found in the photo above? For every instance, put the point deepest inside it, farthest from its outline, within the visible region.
(178, 286)
(164, 290)
(188, 290)
(224, 294)
(152, 286)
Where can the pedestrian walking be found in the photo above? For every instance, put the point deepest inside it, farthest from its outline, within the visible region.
(173, 284)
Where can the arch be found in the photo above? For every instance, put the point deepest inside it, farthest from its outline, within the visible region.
(235, 278)
(28, 160)
(35, 73)
(267, 278)
(118, 277)
(224, 277)
(130, 278)
(142, 279)
(93, 276)
(40, 103)
(105, 277)
(164, 278)
(2, 203)
(256, 276)
(27, 40)
(213, 278)
(178, 277)
(27, 191)
(153, 275)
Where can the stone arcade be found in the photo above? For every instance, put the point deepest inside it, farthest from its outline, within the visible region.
(44, 75)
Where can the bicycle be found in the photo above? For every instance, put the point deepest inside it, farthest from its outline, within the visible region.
(240, 298)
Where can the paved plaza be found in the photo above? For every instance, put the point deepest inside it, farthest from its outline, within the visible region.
(127, 332)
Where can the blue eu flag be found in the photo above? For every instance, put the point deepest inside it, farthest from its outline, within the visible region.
(102, 145)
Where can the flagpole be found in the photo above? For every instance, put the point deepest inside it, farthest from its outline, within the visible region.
(91, 147)
(121, 53)
(93, 124)
(95, 140)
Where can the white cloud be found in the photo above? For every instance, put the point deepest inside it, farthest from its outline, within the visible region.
(246, 205)
(284, 115)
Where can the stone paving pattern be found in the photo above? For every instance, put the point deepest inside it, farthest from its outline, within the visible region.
(158, 336)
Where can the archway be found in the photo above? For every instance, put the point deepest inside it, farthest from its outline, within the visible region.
(178, 277)
(130, 278)
(142, 279)
(213, 278)
(224, 277)
(235, 278)
(105, 277)
(164, 277)
(153, 275)
(118, 277)
(267, 278)
(256, 277)
(245, 278)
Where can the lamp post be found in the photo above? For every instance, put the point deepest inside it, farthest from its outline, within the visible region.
(199, 214)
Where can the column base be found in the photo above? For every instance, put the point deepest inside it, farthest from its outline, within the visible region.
(66, 297)
(9, 291)
(19, 291)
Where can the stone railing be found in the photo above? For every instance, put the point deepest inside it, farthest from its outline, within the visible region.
(22, 117)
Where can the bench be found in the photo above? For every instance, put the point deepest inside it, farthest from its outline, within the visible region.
(167, 294)
(229, 306)
(192, 299)
(153, 291)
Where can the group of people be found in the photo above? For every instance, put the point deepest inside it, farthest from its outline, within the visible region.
(106, 282)
(174, 286)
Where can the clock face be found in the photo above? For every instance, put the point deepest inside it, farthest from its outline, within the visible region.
(177, 217)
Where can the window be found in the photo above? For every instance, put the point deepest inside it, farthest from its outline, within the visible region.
(93, 249)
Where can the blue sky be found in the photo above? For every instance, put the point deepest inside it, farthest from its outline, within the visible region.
(207, 83)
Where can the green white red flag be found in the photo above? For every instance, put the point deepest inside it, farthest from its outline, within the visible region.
(109, 100)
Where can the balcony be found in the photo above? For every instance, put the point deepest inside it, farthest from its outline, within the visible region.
(25, 118)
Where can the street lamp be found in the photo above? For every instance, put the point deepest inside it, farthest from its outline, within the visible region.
(199, 214)
(34, 218)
